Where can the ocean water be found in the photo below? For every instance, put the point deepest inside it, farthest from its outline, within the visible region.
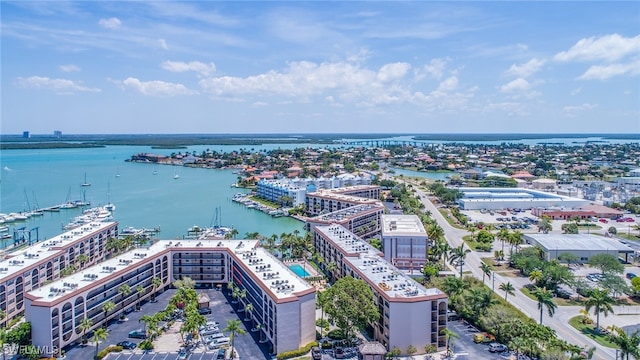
(42, 178)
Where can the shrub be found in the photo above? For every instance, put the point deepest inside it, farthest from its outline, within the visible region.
(108, 349)
(335, 334)
(296, 353)
(146, 345)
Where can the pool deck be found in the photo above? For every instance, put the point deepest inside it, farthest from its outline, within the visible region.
(319, 285)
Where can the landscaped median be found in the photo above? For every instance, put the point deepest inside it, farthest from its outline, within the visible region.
(589, 330)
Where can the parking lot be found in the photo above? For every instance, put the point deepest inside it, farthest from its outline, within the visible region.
(465, 348)
(247, 346)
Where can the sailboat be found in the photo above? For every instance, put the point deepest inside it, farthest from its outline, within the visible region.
(109, 206)
(118, 173)
(176, 176)
(85, 183)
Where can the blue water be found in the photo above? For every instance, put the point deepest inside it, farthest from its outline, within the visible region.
(299, 270)
(433, 175)
(200, 197)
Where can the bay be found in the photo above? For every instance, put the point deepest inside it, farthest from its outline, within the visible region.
(42, 178)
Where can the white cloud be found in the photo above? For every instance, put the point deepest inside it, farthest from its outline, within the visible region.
(527, 69)
(604, 72)
(571, 111)
(163, 44)
(434, 69)
(157, 88)
(59, 86)
(576, 91)
(509, 108)
(518, 84)
(110, 23)
(69, 68)
(450, 84)
(608, 47)
(197, 66)
(392, 72)
(259, 104)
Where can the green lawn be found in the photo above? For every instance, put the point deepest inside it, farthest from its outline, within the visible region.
(556, 300)
(588, 330)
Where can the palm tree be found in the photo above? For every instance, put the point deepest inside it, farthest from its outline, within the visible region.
(545, 299)
(81, 259)
(544, 224)
(139, 290)
(155, 283)
(508, 289)
(234, 327)
(535, 276)
(247, 311)
(99, 335)
(503, 235)
(107, 307)
(449, 336)
(515, 239)
(84, 326)
(146, 319)
(472, 229)
(486, 270)
(628, 344)
(124, 290)
(230, 287)
(458, 255)
(601, 302)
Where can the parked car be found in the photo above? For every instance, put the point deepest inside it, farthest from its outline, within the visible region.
(204, 311)
(497, 348)
(138, 334)
(631, 275)
(182, 355)
(483, 338)
(128, 345)
(316, 353)
(338, 353)
(221, 354)
(220, 341)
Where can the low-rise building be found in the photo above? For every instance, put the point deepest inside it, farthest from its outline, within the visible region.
(410, 314)
(582, 245)
(404, 241)
(363, 220)
(283, 303)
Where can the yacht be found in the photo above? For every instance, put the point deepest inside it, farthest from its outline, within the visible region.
(176, 176)
(85, 183)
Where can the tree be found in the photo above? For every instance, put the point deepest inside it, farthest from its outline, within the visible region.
(569, 258)
(486, 270)
(607, 263)
(628, 344)
(458, 255)
(140, 290)
(107, 307)
(100, 334)
(411, 350)
(85, 325)
(247, 311)
(81, 259)
(350, 305)
(234, 327)
(544, 224)
(545, 299)
(508, 289)
(449, 335)
(155, 283)
(601, 302)
(124, 290)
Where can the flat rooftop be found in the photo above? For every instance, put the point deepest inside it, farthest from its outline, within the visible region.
(347, 213)
(17, 261)
(379, 273)
(572, 242)
(257, 260)
(402, 225)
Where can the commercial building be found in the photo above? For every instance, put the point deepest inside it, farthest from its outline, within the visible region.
(363, 220)
(404, 241)
(514, 198)
(28, 269)
(410, 314)
(330, 200)
(283, 303)
(585, 212)
(582, 245)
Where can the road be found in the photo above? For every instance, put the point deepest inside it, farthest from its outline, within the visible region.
(559, 322)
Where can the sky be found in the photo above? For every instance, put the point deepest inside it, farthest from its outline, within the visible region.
(130, 67)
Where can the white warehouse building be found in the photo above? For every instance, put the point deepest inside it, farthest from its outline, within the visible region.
(514, 198)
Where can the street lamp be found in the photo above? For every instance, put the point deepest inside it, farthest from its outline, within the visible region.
(493, 281)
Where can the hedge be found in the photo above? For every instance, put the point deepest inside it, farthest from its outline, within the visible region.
(108, 349)
(295, 353)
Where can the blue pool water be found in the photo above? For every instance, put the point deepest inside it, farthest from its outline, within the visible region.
(299, 270)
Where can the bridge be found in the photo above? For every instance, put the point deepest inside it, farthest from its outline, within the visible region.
(387, 143)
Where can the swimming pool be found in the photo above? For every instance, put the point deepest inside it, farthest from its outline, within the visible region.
(299, 270)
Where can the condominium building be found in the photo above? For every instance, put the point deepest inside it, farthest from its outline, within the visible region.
(296, 189)
(404, 241)
(363, 220)
(410, 314)
(330, 200)
(24, 270)
(283, 303)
